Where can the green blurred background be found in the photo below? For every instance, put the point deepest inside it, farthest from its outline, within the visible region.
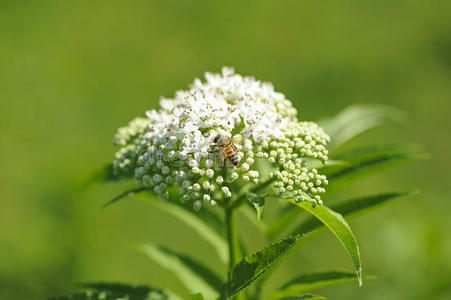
(71, 72)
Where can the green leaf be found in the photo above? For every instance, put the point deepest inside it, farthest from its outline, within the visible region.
(359, 163)
(353, 207)
(258, 201)
(338, 226)
(197, 296)
(194, 275)
(366, 161)
(359, 153)
(123, 290)
(310, 281)
(248, 211)
(105, 174)
(252, 266)
(357, 119)
(332, 163)
(207, 224)
(124, 195)
(350, 208)
(88, 295)
(284, 217)
(306, 296)
(113, 291)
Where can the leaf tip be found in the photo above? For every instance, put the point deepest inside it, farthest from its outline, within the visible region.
(359, 276)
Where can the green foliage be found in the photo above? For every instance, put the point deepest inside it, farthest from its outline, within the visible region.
(248, 211)
(357, 119)
(252, 266)
(206, 223)
(343, 169)
(124, 195)
(114, 291)
(355, 165)
(89, 295)
(306, 296)
(194, 275)
(339, 227)
(257, 201)
(104, 174)
(197, 296)
(284, 217)
(354, 207)
(311, 281)
(366, 161)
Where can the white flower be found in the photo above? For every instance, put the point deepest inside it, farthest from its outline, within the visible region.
(245, 167)
(172, 146)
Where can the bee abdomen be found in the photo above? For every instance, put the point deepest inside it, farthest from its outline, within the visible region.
(234, 159)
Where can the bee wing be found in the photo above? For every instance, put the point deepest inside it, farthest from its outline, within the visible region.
(237, 139)
(222, 155)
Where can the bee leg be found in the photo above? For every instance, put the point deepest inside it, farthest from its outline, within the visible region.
(224, 164)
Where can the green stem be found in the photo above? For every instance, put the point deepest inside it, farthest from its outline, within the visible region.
(232, 241)
(232, 238)
(231, 233)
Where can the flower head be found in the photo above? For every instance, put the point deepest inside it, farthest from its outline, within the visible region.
(172, 147)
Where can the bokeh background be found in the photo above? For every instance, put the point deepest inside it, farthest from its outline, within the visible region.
(71, 72)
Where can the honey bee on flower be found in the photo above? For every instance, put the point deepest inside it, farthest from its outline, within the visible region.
(225, 147)
(239, 120)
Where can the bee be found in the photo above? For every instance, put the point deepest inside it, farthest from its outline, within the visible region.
(226, 149)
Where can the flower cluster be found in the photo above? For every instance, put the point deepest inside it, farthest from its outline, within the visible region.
(172, 147)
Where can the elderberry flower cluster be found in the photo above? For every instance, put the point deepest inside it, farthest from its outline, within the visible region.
(171, 148)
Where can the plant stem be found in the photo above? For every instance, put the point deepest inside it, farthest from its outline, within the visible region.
(232, 238)
(232, 241)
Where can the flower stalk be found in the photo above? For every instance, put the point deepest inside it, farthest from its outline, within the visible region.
(232, 238)
(232, 242)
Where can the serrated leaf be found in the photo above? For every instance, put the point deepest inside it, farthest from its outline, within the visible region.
(350, 208)
(197, 296)
(257, 201)
(353, 207)
(357, 119)
(113, 291)
(252, 266)
(338, 226)
(310, 281)
(194, 275)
